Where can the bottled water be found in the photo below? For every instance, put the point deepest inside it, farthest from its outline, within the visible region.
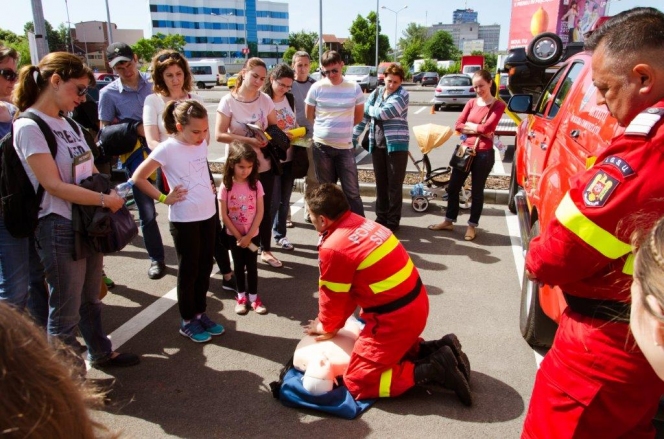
(463, 138)
(123, 189)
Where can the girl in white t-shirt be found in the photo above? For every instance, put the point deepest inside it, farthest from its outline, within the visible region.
(191, 213)
(241, 205)
(172, 81)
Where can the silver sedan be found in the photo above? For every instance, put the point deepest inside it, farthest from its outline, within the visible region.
(456, 89)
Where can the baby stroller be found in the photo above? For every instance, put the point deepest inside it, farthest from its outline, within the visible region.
(433, 182)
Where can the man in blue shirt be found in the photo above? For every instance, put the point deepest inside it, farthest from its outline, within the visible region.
(122, 101)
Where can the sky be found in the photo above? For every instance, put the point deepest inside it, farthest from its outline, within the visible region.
(337, 14)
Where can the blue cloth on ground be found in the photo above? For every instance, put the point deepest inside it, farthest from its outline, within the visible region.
(338, 402)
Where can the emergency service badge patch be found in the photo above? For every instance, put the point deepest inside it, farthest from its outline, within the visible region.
(599, 189)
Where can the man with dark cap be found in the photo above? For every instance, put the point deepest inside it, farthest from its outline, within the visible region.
(122, 102)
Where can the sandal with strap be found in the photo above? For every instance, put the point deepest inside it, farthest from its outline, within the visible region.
(271, 260)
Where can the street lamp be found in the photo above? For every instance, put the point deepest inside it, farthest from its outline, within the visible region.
(225, 17)
(396, 21)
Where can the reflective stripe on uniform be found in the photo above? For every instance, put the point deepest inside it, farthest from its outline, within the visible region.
(394, 280)
(335, 287)
(379, 253)
(604, 242)
(628, 268)
(385, 384)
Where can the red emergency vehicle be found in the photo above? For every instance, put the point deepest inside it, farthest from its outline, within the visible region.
(562, 134)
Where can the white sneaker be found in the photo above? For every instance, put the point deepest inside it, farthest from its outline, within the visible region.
(285, 244)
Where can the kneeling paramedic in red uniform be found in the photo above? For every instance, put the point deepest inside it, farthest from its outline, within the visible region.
(363, 264)
(595, 382)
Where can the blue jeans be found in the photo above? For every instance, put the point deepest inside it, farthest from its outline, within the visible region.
(147, 214)
(281, 193)
(480, 170)
(22, 275)
(73, 288)
(332, 164)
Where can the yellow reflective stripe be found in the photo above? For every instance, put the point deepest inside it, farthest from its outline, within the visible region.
(379, 253)
(334, 286)
(628, 268)
(394, 280)
(589, 232)
(385, 383)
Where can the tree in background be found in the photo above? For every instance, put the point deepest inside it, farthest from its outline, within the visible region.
(58, 40)
(412, 43)
(490, 60)
(303, 41)
(441, 46)
(146, 48)
(363, 41)
(18, 43)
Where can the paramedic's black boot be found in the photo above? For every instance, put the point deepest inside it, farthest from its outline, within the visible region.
(429, 347)
(442, 369)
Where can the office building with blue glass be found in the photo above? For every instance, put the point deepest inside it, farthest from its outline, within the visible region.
(224, 29)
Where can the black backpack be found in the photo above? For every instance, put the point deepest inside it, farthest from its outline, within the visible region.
(20, 203)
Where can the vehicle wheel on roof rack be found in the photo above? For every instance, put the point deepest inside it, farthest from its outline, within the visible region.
(420, 204)
(545, 49)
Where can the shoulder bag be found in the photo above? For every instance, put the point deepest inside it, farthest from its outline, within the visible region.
(462, 159)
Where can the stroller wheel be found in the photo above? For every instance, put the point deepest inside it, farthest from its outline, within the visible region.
(420, 204)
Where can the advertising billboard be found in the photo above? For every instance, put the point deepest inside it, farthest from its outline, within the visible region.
(570, 19)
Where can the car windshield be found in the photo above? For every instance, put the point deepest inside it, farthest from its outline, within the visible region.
(456, 81)
(357, 70)
(429, 75)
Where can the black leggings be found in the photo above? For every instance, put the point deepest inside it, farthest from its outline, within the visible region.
(194, 245)
(243, 257)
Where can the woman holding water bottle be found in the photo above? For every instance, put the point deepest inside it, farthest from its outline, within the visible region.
(55, 87)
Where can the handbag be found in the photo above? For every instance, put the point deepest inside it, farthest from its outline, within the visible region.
(123, 230)
(462, 159)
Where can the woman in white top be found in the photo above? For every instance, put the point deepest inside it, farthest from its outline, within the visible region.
(172, 81)
(57, 86)
(246, 104)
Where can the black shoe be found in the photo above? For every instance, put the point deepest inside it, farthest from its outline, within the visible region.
(157, 270)
(121, 360)
(230, 284)
(429, 347)
(307, 219)
(442, 369)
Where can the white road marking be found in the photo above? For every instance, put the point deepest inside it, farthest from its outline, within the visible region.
(498, 167)
(421, 110)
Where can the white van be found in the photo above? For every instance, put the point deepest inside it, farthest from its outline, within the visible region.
(208, 72)
(365, 76)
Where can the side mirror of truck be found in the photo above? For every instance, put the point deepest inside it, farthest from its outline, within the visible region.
(521, 104)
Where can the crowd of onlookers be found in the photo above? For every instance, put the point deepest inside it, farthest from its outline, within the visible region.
(168, 131)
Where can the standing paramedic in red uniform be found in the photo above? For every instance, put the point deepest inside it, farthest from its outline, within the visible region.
(595, 382)
(363, 264)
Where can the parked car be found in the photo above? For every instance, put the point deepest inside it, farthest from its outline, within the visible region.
(365, 76)
(232, 81)
(417, 77)
(105, 77)
(316, 75)
(563, 132)
(453, 89)
(430, 78)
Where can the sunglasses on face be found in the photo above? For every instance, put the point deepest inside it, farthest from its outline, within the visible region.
(9, 74)
(166, 56)
(82, 91)
(327, 72)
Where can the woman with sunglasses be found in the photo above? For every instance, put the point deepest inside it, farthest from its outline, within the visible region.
(21, 273)
(57, 86)
(246, 104)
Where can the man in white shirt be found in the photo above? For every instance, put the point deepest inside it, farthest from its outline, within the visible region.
(335, 106)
